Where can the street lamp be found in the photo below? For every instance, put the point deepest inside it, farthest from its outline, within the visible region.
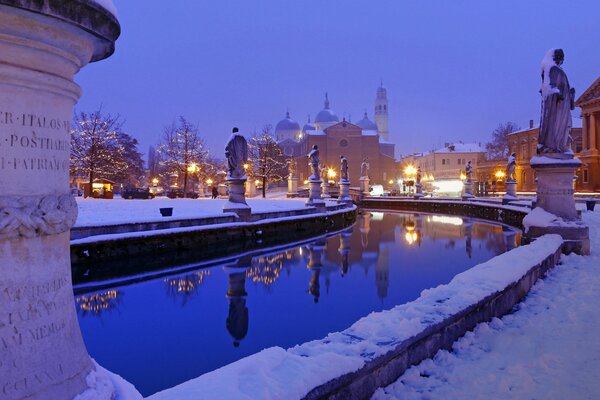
(499, 175)
(209, 181)
(155, 182)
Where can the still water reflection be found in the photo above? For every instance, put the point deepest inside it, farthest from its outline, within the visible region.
(162, 332)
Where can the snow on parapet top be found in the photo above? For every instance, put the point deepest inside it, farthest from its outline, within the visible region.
(108, 5)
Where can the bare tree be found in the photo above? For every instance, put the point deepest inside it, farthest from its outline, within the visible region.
(266, 158)
(181, 148)
(99, 147)
(497, 149)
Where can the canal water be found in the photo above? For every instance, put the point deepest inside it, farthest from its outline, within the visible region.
(161, 332)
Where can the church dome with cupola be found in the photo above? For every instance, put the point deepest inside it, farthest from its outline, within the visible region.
(287, 128)
(326, 117)
(366, 124)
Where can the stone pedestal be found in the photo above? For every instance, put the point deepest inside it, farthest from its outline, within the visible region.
(511, 192)
(344, 196)
(250, 188)
(468, 193)
(237, 199)
(292, 187)
(43, 44)
(418, 191)
(555, 196)
(314, 194)
(325, 190)
(364, 186)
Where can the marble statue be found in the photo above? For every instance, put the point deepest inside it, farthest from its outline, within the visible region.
(343, 168)
(364, 168)
(313, 162)
(418, 175)
(469, 171)
(236, 153)
(292, 167)
(558, 99)
(510, 168)
(324, 176)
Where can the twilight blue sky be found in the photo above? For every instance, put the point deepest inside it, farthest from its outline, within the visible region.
(453, 69)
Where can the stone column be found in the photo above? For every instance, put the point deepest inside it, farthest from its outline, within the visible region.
(593, 132)
(314, 194)
(364, 186)
(511, 192)
(325, 190)
(468, 194)
(43, 44)
(237, 199)
(344, 196)
(292, 186)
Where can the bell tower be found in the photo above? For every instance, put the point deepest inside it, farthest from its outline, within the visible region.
(381, 113)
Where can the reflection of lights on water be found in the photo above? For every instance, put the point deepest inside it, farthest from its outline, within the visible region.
(450, 186)
(442, 219)
(189, 283)
(411, 237)
(376, 216)
(265, 270)
(98, 302)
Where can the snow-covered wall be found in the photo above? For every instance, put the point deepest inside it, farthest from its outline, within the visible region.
(378, 348)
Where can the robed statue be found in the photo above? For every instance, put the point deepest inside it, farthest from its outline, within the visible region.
(558, 99)
(364, 168)
(236, 152)
(313, 163)
(468, 171)
(344, 169)
(419, 176)
(324, 175)
(510, 168)
(292, 167)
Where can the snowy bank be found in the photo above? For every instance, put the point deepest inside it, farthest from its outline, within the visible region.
(378, 348)
(547, 349)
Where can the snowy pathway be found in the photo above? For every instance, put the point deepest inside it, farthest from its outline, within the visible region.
(548, 349)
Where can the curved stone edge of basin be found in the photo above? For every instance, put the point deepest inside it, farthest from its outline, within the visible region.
(378, 348)
(83, 14)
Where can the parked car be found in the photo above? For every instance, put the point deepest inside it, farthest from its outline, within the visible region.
(179, 194)
(137, 193)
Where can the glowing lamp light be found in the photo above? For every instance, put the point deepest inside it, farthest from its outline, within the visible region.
(306, 181)
(463, 176)
(411, 237)
(391, 181)
(499, 175)
(256, 182)
(246, 166)
(193, 168)
(331, 173)
(209, 181)
(410, 170)
(155, 181)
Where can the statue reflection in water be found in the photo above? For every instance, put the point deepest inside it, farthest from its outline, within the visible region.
(344, 249)
(315, 252)
(237, 318)
(468, 236)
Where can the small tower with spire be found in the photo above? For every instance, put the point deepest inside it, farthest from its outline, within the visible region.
(381, 113)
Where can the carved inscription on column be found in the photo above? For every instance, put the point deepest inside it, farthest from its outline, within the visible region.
(33, 142)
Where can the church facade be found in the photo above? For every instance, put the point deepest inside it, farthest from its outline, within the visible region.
(357, 141)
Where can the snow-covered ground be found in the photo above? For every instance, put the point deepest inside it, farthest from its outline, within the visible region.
(548, 349)
(97, 212)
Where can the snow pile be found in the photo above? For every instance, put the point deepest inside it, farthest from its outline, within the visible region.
(102, 384)
(547, 64)
(541, 218)
(108, 5)
(100, 212)
(275, 373)
(547, 349)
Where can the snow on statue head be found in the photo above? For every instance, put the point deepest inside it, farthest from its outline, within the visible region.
(558, 99)
(236, 153)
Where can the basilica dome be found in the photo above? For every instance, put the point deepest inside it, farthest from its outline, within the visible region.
(326, 117)
(366, 124)
(287, 128)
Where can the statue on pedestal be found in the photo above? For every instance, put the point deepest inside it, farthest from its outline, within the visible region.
(468, 171)
(313, 162)
(558, 99)
(364, 168)
(418, 175)
(343, 168)
(236, 153)
(324, 176)
(510, 168)
(292, 167)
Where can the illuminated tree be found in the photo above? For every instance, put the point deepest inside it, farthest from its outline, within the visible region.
(267, 160)
(181, 148)
(100, 148)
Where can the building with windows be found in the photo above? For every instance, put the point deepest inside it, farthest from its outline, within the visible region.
(589, 102)
(364, 139)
